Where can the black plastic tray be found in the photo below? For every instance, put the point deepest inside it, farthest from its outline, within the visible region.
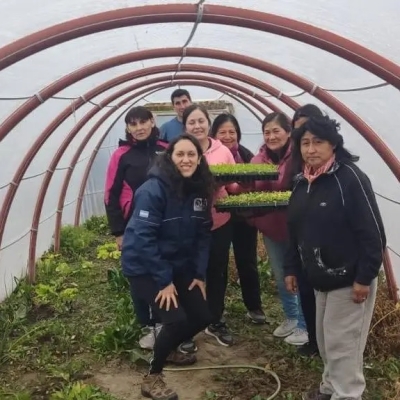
(270, 176)
(253, 207)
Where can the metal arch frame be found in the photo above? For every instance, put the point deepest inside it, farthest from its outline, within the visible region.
(332, 102)
(197, 80)
(213, 14)
(223, 15)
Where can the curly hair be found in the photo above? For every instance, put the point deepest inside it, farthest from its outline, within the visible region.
(201, 182)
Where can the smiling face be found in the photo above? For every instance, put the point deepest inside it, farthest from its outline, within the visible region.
(227, 134)
(275, 137)
(197, 125)
(185, 157)
(140, 129)
(315, 151)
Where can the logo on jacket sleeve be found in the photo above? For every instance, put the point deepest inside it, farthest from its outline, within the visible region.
(199, 204)
(143, 214)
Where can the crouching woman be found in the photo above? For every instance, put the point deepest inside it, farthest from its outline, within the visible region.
(165, 252)
(337, 237)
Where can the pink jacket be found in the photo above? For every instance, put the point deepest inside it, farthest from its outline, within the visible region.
(219, 154)
(274, 224)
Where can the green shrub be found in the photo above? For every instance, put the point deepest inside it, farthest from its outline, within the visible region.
(97, 224)
(75, 241)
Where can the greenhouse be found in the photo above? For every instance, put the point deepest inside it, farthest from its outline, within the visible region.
(69, 73)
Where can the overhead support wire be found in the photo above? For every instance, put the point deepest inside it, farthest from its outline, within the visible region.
(199, 17)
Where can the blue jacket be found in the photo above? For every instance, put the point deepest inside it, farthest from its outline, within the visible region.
(166, 235)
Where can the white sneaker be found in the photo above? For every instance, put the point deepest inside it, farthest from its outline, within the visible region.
(151, 332)
(298, 337)
(286, 328)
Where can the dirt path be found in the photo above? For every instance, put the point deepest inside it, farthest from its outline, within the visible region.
(124, 382)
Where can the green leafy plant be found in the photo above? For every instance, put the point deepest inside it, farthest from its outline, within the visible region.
(117, 280)
(75, 241)
(242, 169)
(108, 251)
(25, 395)
(80, 391)
(55, 295)
(255, 198)
(97, 224)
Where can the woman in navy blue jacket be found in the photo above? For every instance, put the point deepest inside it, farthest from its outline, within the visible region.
(165, 252)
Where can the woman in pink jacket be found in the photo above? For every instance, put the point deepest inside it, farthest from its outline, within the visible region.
(276, 150)
(197, 123)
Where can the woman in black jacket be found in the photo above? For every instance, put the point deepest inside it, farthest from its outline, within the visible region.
(337, 237)
(244, 240)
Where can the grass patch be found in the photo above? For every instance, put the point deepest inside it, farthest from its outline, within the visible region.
(78, 318)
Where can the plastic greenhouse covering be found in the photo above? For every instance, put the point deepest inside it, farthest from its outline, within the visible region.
(341, 55)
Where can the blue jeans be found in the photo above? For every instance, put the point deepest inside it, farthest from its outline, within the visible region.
(290, 302)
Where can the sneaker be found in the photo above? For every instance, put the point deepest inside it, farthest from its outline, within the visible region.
(286, 328)
(154, 387)
(177, 358)
(256, 317)
(298, 337)
(188, 347)
(309, 350)
(150, 333)
(316, 395)
(221, 333)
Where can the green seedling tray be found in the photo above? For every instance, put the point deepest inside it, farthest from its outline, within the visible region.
(247, 177)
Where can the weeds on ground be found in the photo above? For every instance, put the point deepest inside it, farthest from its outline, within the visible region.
(49, 331)
(55, 334)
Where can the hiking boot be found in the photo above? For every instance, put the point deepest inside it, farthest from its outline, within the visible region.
(154, 387)
(178, 358)
(286, 328)
(221, 333)
(298, 337)
(256, 317)
(309, 350)
(188, 347)
(316, 395)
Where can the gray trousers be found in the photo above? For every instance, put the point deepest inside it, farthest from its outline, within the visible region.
(342, 331)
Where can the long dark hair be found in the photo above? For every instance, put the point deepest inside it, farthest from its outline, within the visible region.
(201, 182)
(324, 128)
(142, 114)
(222, 119)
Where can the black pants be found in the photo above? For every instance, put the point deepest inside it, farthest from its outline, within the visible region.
(307, 298)
(244, 240)
(217, 270)
(179, 324)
